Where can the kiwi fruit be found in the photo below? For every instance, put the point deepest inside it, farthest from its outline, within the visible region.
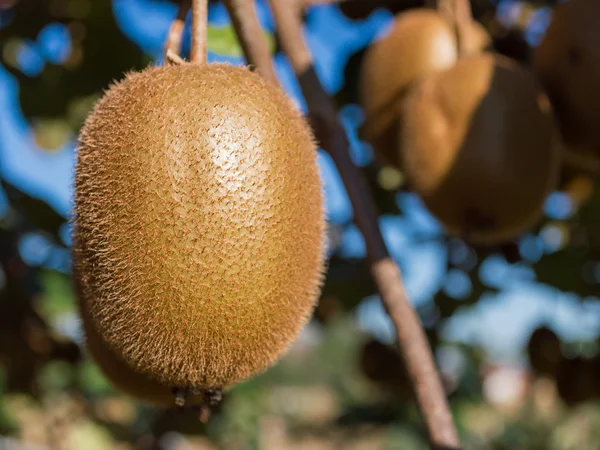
(421, 41)
(116, 371)
(479, 146)
(199, 226)
(567, 63)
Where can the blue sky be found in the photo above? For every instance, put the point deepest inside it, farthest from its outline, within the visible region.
(502, 322)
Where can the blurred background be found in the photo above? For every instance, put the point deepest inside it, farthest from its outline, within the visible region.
(515, 329)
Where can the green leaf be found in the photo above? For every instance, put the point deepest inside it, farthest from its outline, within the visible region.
(93, 380)
(56, 376)
(58, 295)
(223, 40)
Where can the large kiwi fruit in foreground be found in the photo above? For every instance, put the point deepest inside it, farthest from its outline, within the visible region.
(479, 146)
(567, 62)
(114, 368)
(199, 224)
(421, 41)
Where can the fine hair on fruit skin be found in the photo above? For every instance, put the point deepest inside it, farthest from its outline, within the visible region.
(567, 63)
(479, 146)
(420, 41)
(199, 223)
(121, 375)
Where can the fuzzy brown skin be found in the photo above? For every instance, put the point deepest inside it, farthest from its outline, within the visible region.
(199, 209)
(480, 148)
(421, 41)
(121, 375)
(567, 62)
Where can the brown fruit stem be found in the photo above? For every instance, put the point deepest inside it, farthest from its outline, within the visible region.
(459, 12)
(175, 35)
(199, 31)
(173, 58)
(412, 340)
(247, 27)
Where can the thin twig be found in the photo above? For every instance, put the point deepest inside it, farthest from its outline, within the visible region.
(199, 31)
(412, 341)
(173, 58)
(175, 35)
(244, 19)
